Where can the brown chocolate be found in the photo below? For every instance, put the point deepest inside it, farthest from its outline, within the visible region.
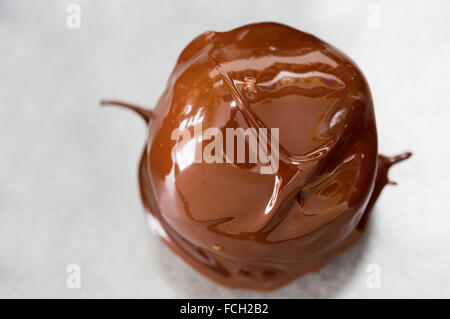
(241, 228)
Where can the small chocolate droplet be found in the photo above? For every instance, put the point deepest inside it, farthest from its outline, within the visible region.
(245, 272)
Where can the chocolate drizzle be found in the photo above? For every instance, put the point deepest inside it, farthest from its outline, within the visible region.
(240, 228)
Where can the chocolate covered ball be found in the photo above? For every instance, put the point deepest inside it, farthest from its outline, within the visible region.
(259, 224)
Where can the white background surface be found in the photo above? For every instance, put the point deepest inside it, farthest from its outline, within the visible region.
(68, 168)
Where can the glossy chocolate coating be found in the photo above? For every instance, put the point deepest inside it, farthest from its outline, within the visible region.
(241, 228)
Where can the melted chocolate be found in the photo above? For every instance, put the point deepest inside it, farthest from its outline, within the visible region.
(236, 226)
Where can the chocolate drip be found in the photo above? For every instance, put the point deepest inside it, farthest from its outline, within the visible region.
(147, 115)
(381, 180)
